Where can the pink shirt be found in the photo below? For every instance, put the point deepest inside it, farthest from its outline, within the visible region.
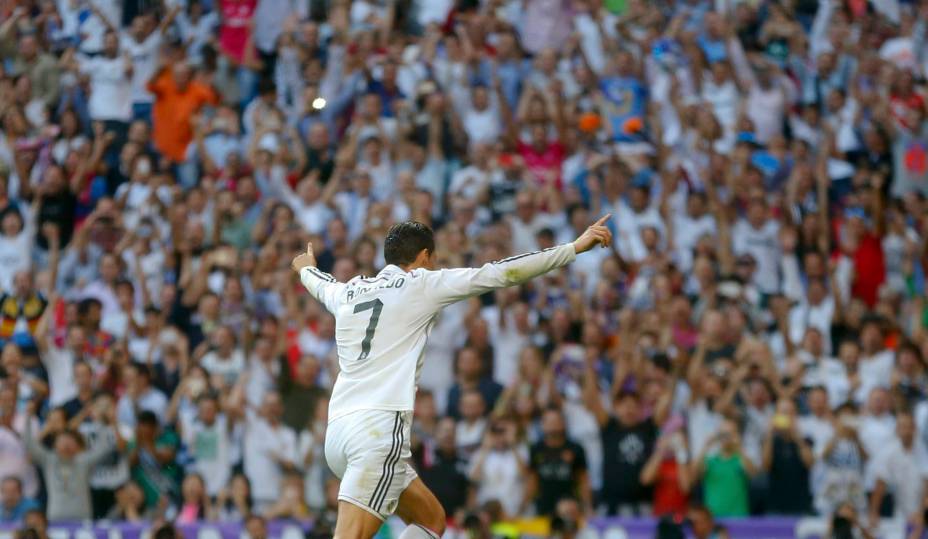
(545, 164)
(234, 32)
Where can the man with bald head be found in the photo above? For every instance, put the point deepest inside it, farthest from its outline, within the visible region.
(178, 97)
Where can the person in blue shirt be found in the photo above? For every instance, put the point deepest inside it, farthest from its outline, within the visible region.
(13, 505)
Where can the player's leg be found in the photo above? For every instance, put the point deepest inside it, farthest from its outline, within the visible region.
(420, 510)
(353, 522)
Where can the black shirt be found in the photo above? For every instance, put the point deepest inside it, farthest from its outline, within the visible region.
(444, 474)
(558, 469)
(57, 208)
(788, 492)
(625, 451)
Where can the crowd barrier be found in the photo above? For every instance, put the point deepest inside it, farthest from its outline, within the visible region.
(599, 528)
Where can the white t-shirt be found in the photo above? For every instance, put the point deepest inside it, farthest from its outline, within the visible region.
(686, 234)
(903, 471)
(501, 479)
(153, 400)
(262, 442)
(629, 224)
(508, 343)
(876, 431)
(144, 63)
(805, 315)
(15, 256)
(59, 363)
(209, 446)
(875, 371)
(110, 88)
(380, 363)
(764, 245)
(766, 108)
(819, 430)
(228, 367)
(469, 182)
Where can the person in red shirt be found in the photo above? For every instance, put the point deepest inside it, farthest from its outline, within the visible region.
(865, 249)
(667, 471)
(542, 158)
(903, 98)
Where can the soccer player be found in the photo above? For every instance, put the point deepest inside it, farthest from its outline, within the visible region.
(381, 325)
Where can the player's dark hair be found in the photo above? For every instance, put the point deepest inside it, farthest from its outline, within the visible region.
(405, 241)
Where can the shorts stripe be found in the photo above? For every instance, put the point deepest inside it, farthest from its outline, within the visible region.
(394, 448)
(392, 470)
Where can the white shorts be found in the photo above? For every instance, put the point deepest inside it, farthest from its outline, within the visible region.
(368, 451)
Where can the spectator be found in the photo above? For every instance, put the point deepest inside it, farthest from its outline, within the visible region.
(894, 468)
(139, 397)
(208, 438)
(667, 472)
(69, 499)
(194, 504)
(178, 97)
(787, 460)
(726, 473)
(301, 393)
(500, 467)
(96, 422)
(13, 505)
(269, 450)
(129, 503)
(558, 467)
(472, 376)
(152, 456)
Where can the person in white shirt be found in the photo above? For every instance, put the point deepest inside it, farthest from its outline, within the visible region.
(758, 235)
(310, 203)
(876, 422)
(370, 411)
(635, 215)
(500, 469)
(899, 467)
(17, 235)
(822, 370)
(59, 361)
(875, 367)
(142, 43)
(224, 359)
(110, 83)
(139, 396)
(208, 438)
(816, 310)
(270, 450)
(689, 227)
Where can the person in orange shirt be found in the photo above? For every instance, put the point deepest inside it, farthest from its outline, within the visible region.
(177, 99)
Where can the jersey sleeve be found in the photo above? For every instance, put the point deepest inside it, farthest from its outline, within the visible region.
(450, 285)
(322, 286)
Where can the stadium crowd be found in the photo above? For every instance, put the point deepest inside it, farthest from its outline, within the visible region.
(754, 343)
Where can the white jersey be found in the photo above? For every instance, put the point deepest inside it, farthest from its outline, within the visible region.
(382, 323)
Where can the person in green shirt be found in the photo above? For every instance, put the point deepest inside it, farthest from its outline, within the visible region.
(725, 473)
(151, 455)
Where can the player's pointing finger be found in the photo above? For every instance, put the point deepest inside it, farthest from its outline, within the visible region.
(602, 219)
(309, 247)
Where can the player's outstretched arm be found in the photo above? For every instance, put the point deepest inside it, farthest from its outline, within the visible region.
(450, 285)
(320, 284)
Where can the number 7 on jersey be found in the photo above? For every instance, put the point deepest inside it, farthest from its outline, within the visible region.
(375, 305)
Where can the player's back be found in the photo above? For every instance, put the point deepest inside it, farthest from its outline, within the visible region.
(381, 327)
